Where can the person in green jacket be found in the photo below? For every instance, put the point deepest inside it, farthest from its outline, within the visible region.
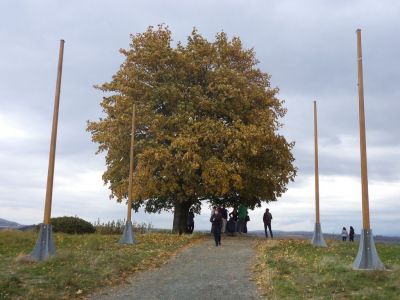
(242, 217)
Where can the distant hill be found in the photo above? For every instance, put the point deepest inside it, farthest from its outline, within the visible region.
(8, 224)
(308, 235)
(5, 224)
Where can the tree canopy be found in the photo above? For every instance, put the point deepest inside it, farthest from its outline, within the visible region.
(207, 125)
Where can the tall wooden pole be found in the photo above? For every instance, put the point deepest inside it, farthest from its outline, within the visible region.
(128, 236)
(316, 165)
(363, 146)
(318, 238)
(367, 257)
(131, 166)
(44, 247)
(52, 155)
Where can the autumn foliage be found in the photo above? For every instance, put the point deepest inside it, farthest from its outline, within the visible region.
(207, 125)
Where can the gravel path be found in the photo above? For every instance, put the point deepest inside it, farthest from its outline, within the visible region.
(202, 271)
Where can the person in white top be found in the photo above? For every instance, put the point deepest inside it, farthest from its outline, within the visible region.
(344, 234)
(214, 208)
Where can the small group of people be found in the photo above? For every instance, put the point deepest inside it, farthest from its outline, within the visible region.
(238, 219)
(350, 235)
(237, 222)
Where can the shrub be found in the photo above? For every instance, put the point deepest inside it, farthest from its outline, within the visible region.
(111, 227)
(117, 227)
(71, 225)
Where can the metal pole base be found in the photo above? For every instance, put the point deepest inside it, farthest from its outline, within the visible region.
(367, 257)
(318, 237)
(128, 236)
(44, 247)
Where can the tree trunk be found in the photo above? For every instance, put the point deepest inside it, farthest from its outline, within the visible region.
(181, 211)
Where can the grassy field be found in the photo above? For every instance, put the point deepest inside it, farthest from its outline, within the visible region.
(83, 263)
(293, 269)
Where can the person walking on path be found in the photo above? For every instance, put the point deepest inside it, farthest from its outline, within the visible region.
(344, 234)
(242, 217)
(351, 234)
(216, 221)
(267, 218)
(224, 215)
(234, 215)
(190, 221)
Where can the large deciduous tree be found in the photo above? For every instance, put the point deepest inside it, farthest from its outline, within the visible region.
(207, 126)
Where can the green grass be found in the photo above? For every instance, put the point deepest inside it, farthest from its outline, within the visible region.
(83, 264)
(293, 269)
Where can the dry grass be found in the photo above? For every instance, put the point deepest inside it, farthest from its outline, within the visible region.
(83, 263)
(24, 259)
(288, 269)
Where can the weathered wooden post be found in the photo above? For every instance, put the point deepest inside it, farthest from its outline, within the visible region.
(44, 247)
(367, 257)
(318, 237)
(128, 235)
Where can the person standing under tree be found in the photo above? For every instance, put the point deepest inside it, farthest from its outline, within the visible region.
(216, 220)
(267, 218)
(245, 221)
(190, 221)
(242, 217)
(234, 215)
(224, 215)
(212, 214)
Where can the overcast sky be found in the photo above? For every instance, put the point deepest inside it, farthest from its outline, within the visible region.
(309, 49)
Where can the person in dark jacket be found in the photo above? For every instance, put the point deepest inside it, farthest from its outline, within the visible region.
(216, 220)
(190, 221)
(234, 215)
(231, 227)
(267, 218)
(247, 219)
(351, 234)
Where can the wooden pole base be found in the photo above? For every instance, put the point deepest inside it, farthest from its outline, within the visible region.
(367, 257)
(128, 236)
(318, 238)
(44, 247)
